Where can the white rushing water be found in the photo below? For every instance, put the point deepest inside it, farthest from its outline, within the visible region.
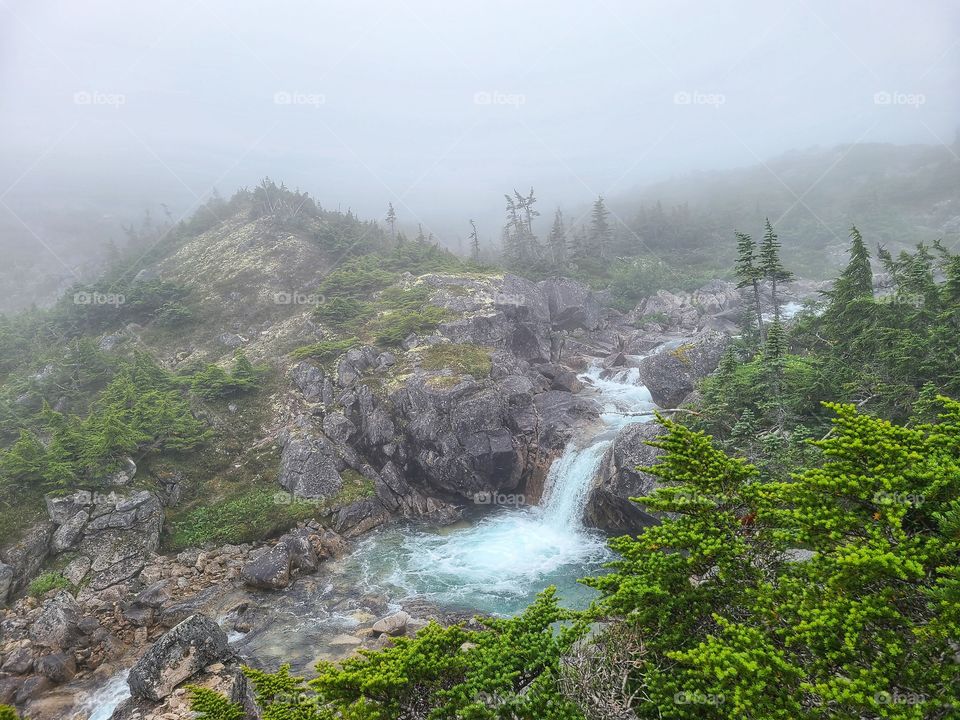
(501, 562)
(100, 704)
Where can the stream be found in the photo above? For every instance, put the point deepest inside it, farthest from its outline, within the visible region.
(494, 563)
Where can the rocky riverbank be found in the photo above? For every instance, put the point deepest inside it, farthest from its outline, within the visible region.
(480, 407)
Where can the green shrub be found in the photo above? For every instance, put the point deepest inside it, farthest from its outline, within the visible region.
(393, 328)
(324, 350)
(42, 584)
(358, 279)
(8, 713)
(342, 313)
(214, 382)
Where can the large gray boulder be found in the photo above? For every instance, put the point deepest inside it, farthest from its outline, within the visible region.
(177, 656)
(673, 373)
(520, 299)
(571, 304)
(270, 570)
(56, 626)
(309, 380)
(609, 506)
(309, 468)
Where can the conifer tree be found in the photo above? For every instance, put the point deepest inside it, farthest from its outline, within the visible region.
(749, 274)
(392, 221)
(600, 232)
(558, 241)
(474, 242)
(770, 265)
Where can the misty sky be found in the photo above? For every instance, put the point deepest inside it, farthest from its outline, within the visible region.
(440, 107)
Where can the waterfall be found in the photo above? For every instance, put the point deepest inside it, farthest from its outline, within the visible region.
(100, 704)
(567, 486)
(501, 562)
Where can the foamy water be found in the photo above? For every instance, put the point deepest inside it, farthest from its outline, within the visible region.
(499, 564)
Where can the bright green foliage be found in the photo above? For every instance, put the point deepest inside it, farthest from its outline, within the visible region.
(507, 670)
(44, 583)
(213, 382)
(213, 706)
(140, 410)
(8, 713)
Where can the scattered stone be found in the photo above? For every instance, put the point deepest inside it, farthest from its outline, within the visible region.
(394, 625)
(181, 653)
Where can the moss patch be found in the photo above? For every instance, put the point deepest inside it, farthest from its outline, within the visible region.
(461, 359)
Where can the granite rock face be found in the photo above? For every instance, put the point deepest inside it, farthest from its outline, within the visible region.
(184, 651)
(609, 507)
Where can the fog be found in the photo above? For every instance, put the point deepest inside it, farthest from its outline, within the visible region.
(441, 107)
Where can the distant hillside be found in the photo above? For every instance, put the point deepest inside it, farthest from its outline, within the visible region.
(897, 196)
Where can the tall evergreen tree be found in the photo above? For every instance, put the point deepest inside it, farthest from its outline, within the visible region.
(749, 274)
(558, 241)
(392, 221)
(771, 267)
(601, 235)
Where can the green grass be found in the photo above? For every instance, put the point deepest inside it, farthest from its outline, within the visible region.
(325, 349)
(462, 359)
(252, 515)
(44, 583)
(355, 487)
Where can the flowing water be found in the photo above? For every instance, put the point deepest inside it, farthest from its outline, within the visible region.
(499, 564)
(495, 563)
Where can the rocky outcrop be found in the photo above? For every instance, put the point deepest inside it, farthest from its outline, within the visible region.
(115, 531)
(715, 305)
(309, 467)
(609, 507)
(24, 559)
(180, 654)
(571, 304)
(672, 373)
